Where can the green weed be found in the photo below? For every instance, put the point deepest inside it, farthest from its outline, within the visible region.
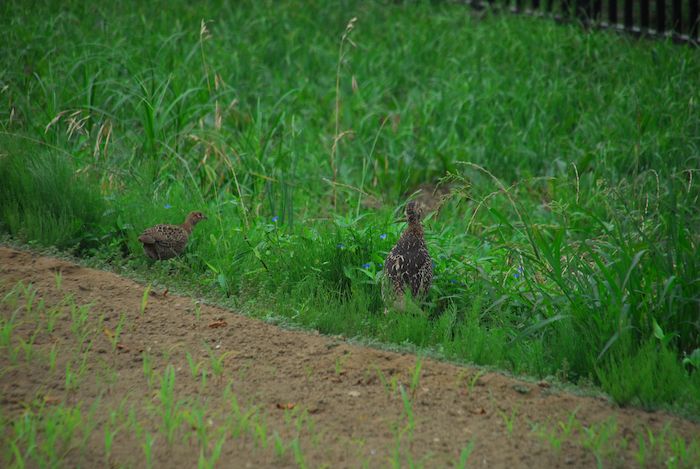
(144, 299)
(197, 310)
(52, 316)
(280, 447)
(390, 385)
(194, 367)
(7, 327)
(295, 446)
(53, 353)
(43, 439)
(169, 406)
(110, 430)
(147, 366)
(464, 455)
(210, 461)
(415, 376)
(216, 362)
(474, 380)
(598, 439)
(116, 334)
(147, 446)
(509, 419)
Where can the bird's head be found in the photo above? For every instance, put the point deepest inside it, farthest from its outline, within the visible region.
(195, 217)
(414, 212)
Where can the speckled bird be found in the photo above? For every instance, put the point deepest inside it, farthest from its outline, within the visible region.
(408, 264)
(162, 242)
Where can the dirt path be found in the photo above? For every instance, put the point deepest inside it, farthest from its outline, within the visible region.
(309, 400)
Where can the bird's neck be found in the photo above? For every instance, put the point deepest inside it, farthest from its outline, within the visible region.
(187, 226)
(415, 229)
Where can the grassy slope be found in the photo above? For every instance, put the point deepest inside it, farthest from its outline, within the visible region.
(569, 246)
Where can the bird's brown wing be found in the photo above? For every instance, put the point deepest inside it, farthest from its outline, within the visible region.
(163, 234)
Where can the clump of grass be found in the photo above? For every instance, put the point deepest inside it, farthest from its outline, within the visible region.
(650, 374)
(43, 439)
(605, 443)
(43, 199)
(169, 409)
(464, 455)
(144, 299)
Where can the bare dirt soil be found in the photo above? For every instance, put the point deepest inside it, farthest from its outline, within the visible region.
(360, 406)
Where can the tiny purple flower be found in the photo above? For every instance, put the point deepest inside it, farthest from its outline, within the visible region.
(167, 206)
(382, 236)
(275, 218)
(366, 266)
(453, 281)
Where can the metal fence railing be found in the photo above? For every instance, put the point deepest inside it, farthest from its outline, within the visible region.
(678, 19)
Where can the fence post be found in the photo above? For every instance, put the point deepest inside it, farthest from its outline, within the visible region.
(644, 15)
(566, 8)
(597, 9)
(660, 16)
(694, 18)
(583, 10)
(629, 15)
(612, 12)
(676, 23)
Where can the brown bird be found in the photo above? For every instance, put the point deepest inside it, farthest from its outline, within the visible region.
(408, 264)
(167, 241)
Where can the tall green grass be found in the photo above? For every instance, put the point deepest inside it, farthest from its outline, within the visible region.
(568, 247)
(44, 198)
